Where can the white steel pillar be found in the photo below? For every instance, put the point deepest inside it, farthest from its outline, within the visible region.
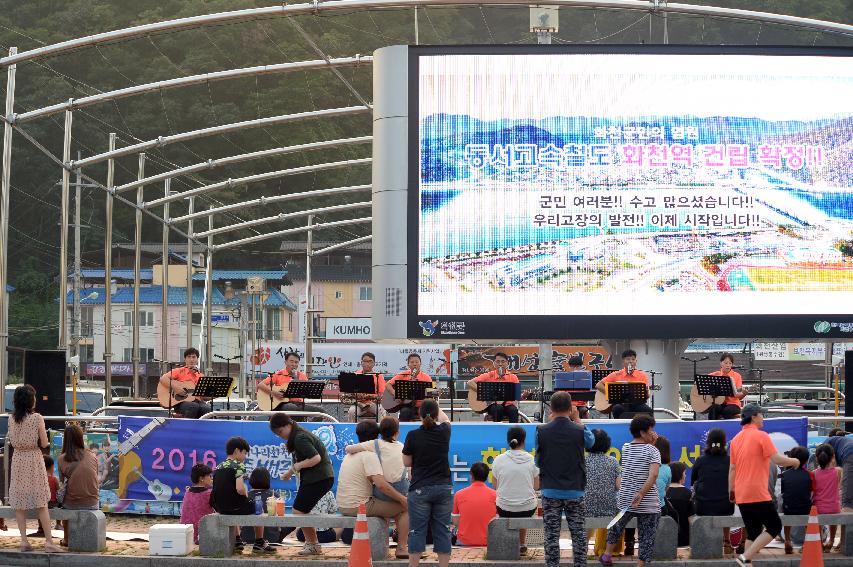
(137, 268)
(4, 221)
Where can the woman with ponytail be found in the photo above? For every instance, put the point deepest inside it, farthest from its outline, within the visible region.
(516, 480)
(710, 481)
(431, 491)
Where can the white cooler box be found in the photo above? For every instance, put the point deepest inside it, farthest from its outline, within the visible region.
(170, 539)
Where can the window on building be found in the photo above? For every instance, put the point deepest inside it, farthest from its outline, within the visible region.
(86, 318)
(146, 318)
(365, 293)
(145, 354)
(87, 353)
(339, 294)
(290, 320)
(274, 324)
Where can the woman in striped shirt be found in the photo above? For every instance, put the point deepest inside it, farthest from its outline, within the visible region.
(638, 496)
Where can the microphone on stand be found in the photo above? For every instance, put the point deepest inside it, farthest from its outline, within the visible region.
(630, 369)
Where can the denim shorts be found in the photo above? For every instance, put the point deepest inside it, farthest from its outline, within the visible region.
(430, 506)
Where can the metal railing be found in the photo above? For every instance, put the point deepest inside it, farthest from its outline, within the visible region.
(250, 413)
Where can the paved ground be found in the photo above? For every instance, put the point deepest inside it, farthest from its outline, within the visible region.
(132, 528)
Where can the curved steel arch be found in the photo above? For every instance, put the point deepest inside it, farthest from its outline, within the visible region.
(274, 199)
(214, 130)
(74, 104)
(254, 179)
(340, 5)
(239, 158)
(282, 217)
(297, 230)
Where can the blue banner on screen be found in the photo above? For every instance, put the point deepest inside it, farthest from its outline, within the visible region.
(157, 454)
(618, 184)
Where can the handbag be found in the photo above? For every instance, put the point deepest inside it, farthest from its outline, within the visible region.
(401, 486)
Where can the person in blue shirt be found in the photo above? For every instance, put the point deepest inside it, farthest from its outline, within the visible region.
(843, 447)
(560, 448)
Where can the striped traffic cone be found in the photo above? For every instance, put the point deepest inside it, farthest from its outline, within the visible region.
(360, 551)
(812, 548)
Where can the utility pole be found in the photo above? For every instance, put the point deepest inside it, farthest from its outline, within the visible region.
(78, 324)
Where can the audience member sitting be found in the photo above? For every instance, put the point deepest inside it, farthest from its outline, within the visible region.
(361, 481)
(681, 500)
(474, 508)
(259, 481)
(196, 504)
(327, 505)
(516, 479)
(390, 453)
(710, 481)
(797, 488)
(78, 467)
(230, 496)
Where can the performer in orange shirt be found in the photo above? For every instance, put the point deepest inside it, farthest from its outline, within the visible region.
(629, 373)
(282, 378)
(368, 405)
(409, 412)
(189, 372)
(730, 408)
(498, 410)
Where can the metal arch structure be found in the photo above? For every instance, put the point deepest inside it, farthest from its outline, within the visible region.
(12, 122)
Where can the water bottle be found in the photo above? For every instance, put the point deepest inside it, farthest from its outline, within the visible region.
(259, 504)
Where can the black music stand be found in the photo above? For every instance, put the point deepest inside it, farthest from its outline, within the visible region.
(411, 389)
(496, 392)
(305, 389)
(213, 387)
(352, 383)
(713, 386)
(598, 374)
(626, 392)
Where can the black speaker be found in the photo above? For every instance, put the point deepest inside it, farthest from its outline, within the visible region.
(44, 370)
(848, 391)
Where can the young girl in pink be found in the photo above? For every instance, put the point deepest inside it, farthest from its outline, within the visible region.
(826, 494)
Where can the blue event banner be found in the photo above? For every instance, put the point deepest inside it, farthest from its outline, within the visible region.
(156, 454)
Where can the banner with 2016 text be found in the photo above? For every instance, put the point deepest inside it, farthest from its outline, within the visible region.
(156, 454)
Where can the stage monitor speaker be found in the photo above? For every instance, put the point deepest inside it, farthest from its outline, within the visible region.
(848, 391)
(44, 370)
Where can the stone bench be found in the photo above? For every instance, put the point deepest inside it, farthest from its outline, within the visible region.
(706, 532)
(215, 538)
(87, 529)
(503, 536)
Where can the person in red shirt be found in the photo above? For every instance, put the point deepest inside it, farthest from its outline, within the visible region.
(628, 374)
(474, 507)
(368, 406)
(730, 408)
(409, 412)
(277, 383)
(499, 410)
(189, 372)
(752, 450)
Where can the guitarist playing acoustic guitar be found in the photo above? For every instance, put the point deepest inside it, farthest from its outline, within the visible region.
(409, 409)
(497, 410)
(730, 408)
(276, 385)
(629, 373)
(182, 382)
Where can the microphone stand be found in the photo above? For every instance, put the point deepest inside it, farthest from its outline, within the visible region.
(171, 368)
(542, 372)
(652, 391)
(694, 361)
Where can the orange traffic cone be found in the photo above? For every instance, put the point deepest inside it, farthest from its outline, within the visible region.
(360, 552)
(812, 548)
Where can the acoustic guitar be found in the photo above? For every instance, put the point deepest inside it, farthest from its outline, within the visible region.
(701, 404)
(477, 406)
(269, 403)
(393, 405)
(169, 399)
(603, 405)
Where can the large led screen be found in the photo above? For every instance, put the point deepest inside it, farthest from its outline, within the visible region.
(664, 192)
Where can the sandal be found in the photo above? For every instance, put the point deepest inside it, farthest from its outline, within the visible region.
(51, 548)
(25, 547)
